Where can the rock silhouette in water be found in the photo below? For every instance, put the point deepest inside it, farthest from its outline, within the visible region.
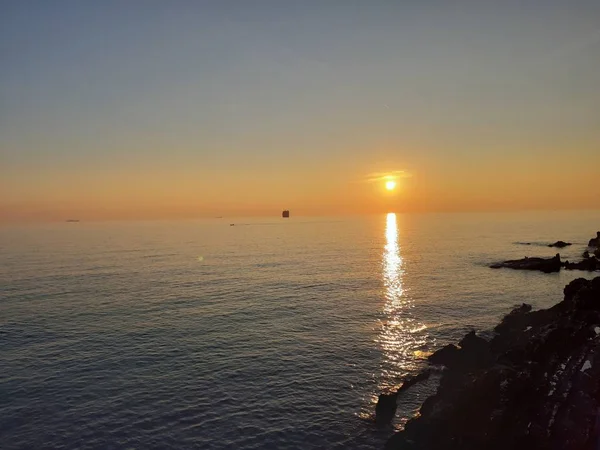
(386, 407)
(559, 244)
(546, 265)
(595, 242)
(385, 410)
(535, 385)
(591, 263)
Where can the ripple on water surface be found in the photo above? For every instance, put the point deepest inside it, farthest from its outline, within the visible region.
(280, 336)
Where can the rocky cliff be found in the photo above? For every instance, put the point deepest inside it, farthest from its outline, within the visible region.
(535, 385)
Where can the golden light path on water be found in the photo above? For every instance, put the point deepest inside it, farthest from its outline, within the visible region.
(402, 337)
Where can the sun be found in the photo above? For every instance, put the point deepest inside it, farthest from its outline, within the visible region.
(390, 185)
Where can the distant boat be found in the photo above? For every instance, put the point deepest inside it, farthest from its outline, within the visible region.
(285, 213)
(72, 220)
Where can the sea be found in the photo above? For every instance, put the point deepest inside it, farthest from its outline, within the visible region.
(261, 333)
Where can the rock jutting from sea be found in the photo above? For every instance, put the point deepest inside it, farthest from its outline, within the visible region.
(590, 262)
(535, 385)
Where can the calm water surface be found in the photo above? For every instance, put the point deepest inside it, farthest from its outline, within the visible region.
(268, 334)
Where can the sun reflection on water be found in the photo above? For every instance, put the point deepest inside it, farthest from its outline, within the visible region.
(402, 338)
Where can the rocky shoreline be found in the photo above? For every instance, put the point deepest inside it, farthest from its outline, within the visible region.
(534, 385)
(590, 261)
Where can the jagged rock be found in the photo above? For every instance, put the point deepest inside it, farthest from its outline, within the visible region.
(475, 349)
(516, 319)
(473, 352)
(586, 254)
(573, 288)
(424, 375)
(444, 356)
(545, 265)
(590, 264)
(385, 410)
(595, 242)
(559, 244)
(539, 387)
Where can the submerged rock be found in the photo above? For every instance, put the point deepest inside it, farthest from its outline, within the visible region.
(536, 384)
(559, 244)
(546, 265)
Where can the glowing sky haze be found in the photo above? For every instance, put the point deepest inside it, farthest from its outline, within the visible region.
(141, 109)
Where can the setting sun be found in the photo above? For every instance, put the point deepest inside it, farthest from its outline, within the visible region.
(390, 185)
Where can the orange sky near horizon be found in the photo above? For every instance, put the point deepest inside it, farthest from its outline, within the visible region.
(230, 109)
(182, 192)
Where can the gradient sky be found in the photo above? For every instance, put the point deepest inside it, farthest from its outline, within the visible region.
(140, 109)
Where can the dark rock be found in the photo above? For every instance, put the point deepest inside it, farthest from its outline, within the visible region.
(473, 352)
(472, 343)
(538, 387)
(545, 265)
(516, 319)
(385, 410)
(595, 242)
(589, 264)
(444, 356)
(424, 375)
(573, 288)
(586, 254)
(559, 244)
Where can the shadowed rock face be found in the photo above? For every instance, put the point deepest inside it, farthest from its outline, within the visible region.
(546, 265)
(559, 244)
(595, 242)
(535, 385)
(385, 410)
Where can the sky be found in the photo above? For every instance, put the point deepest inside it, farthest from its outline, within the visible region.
(154, 109)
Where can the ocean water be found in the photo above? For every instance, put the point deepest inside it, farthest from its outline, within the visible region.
(268, 334)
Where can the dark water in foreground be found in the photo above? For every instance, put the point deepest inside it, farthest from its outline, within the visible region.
(273, 334)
